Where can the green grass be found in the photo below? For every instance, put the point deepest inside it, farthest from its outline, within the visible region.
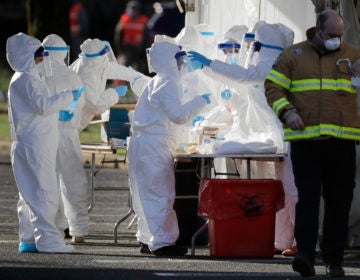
(90, 134)
(5, 76)
(4, 128)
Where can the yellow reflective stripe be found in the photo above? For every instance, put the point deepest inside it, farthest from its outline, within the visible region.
(339, 84)
(317, 84)
(279, 79)
(279, 104)
(323, 129)
(305, 84)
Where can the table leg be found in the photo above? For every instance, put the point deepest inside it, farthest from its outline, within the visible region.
(92, 173)
(205, 168)
(127, 215)
(196, 234)
(248, 168)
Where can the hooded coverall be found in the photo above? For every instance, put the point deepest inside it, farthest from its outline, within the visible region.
(153, 141)
(72, 177)
(274, 38)
(33, 117)
(94, 69)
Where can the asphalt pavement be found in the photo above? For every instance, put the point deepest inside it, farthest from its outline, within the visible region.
(100, 258)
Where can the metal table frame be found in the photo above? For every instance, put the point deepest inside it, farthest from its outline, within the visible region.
(98, 148)
(206, 164)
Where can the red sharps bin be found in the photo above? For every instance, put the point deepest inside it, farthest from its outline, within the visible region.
(241, 216)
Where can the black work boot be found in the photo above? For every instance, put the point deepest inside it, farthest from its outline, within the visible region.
(334, 270)
(144, 249)
(170, 251)
(303, 265)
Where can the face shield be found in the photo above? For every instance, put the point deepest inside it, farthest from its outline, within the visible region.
(43, 63)
(229, 52)
(150, 69)
(246, 41)
(107, 50)
(181, 60)
(110, 54)
(60, 49)
(256, 47)
(184, 63)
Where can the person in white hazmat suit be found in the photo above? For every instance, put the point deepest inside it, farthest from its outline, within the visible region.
(270, 40)
(157, 115)
(33, 117)
(97, 64)
(72, 177)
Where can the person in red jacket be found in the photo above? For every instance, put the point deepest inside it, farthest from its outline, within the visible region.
(130, 37)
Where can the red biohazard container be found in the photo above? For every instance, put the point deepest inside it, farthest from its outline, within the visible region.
(241, 216)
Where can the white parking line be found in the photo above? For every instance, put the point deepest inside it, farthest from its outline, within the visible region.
(219, 274)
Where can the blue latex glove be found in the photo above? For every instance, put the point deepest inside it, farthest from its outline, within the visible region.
(197, 119)
(196, 65)
(226, 94)
(77, 92)
(72, 106)
(206, 96)
(121, 90)
(65, 115)
(195, 56)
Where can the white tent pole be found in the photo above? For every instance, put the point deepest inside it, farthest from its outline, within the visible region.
(193, 10)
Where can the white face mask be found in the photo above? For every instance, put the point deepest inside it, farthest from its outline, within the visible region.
(184, 71)
(332, 44)
(231, 58)
(41, 69)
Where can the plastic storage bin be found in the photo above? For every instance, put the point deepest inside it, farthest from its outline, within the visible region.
(241, 216)
(118, 125)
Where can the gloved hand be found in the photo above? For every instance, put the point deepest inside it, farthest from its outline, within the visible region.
(197, 119)
(293, 120)
(77, 92)
(65, 115)
(195, 56)
(121, 90)
(226, 94)
(206, 96)
(196, 65)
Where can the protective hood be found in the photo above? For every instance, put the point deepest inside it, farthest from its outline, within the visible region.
(273, 38)
(56, 46)
(235, 33)
(161, 38)
(92, 47)
(162, 58)
(270, 34)
(20, 49)
(288, 34)
(189, 39)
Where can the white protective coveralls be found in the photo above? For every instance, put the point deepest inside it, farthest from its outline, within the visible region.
(94, 69)
(153, 141)
(72, 177)
(33, 118)
(273, 37)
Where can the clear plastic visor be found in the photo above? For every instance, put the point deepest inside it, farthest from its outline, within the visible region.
(60, 49)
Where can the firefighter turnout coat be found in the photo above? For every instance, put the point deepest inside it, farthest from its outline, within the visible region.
(319, 87)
